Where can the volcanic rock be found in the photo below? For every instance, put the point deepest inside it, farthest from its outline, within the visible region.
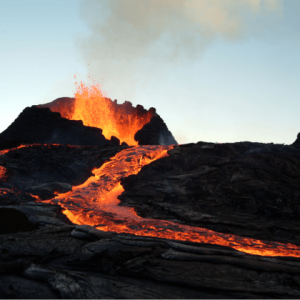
(247, 189)
(155, 133)
(47, 190)
(124, 266)
(41, 125)
(12, 221)
(297, 142)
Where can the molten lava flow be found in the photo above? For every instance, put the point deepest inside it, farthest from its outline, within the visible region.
(95, 203)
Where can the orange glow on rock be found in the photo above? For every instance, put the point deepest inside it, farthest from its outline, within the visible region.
(2, 173)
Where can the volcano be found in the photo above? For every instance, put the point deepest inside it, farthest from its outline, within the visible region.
(99, 201)
(131, 125)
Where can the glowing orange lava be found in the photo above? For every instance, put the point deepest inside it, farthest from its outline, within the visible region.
(2, 173)
(95, 203)
(121, 121)
(93, 109)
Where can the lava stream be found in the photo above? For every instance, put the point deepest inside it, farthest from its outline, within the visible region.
(95, 203)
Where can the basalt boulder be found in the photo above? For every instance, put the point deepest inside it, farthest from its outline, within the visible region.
(155, 132)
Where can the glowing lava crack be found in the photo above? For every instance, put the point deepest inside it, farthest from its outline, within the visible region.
(96, 203)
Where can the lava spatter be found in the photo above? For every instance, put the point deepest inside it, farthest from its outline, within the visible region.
(93, 109)
(96, 203)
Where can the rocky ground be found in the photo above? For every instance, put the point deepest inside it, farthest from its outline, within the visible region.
(247, 189)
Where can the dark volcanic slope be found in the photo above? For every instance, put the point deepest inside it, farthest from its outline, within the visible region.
(41, 125)
(248, 189)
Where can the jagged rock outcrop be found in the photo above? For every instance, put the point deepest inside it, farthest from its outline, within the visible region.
(155, 132)
(297, 142)
(41, 125)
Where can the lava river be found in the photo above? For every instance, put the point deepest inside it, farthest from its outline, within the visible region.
(96, 202)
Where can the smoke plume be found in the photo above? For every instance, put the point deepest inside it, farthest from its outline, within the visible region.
(135, 35)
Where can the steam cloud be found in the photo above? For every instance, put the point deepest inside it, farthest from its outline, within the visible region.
(126, 35)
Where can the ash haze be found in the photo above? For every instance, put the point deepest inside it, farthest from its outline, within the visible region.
(215, 70)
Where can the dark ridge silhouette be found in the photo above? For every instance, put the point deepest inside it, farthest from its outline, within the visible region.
(155, 133)
(297, 142)
(41, 125)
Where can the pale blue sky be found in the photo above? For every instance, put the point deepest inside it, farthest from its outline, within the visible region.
(237, 90)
